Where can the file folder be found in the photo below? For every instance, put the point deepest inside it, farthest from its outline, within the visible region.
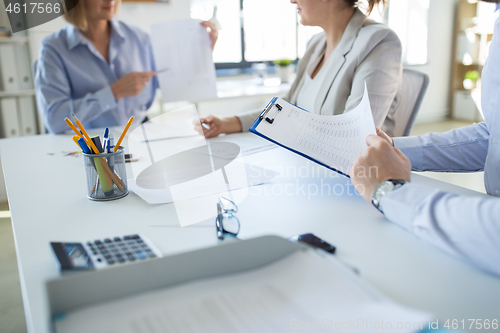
(9, 116)
(331, 141)
(8, 67)
(27, 115)
(23, 67)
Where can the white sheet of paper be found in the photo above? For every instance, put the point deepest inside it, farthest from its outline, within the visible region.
(304, 288)
(248, 145)
(183, 58)
(335, 141)
(203, 186)
(164, 130)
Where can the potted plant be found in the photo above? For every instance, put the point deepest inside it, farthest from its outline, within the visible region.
(285, 69)
(470, 79)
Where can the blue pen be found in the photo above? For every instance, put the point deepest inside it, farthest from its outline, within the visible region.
(111, 160)
(84, 146)
(105, 139)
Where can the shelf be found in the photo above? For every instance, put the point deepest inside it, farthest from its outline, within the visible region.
(18, 40)
(20, 93)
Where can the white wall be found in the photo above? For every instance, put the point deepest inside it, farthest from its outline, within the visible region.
(439, 66)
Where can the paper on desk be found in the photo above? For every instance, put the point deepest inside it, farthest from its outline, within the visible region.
(276, 298)
(183, 58)
(152, 131)
(248, 145)
(152, 189)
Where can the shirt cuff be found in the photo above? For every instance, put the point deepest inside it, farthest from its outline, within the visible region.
(402, 205)
(412, 148)
(106, 99)
(247, 119)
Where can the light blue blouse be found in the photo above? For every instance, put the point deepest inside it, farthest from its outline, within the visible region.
(74, 78)
(467, 227)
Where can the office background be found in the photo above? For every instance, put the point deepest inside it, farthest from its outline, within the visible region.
(436, 113)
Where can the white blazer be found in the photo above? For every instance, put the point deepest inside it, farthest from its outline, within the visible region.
(368, 51)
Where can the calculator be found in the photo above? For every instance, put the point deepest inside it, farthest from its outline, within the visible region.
(103, 253)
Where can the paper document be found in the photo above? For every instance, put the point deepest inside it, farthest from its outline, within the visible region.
(153, 131)
(334, 141)
(279, 297)
(154, 188)
(183, 58)
(248, 145)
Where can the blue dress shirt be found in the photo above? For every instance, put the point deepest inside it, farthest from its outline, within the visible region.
(468, 227)
(74, 78)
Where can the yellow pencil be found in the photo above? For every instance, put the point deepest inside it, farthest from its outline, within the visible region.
(87, 137)
(123, 133)
(73, 127)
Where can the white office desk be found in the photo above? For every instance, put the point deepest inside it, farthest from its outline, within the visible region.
(47, 196)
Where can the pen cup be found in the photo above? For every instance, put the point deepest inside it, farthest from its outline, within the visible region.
(106, 176)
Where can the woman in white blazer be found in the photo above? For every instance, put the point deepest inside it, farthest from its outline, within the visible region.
(331, 76)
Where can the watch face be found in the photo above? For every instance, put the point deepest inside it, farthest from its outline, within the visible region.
(386, 187)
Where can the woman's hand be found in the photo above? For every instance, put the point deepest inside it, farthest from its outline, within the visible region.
(217, 126)
(131, 84)
(212, 32)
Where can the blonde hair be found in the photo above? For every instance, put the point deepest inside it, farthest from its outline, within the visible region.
(76, 15)
(371, 4)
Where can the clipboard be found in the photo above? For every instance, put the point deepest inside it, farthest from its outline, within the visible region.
(358, 125)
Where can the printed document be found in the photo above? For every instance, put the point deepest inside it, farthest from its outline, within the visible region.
(335, 141)
(183, 58)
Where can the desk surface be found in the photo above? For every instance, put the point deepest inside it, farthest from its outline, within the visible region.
(47, 196)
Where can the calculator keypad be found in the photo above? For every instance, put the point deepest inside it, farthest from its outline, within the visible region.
(120, 250)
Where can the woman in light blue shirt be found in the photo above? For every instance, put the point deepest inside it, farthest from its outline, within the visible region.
(97, 68)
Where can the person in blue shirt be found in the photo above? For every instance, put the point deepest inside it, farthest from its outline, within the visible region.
(100, 69)
(467, 227)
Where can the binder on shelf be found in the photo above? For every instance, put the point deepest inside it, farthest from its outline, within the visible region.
(27, 115)
(8, 68)
(9, 118)
(23, 64)
(331, 141)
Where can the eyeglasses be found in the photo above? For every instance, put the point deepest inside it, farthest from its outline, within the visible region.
(225, 222)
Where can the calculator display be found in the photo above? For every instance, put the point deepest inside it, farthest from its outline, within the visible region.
(72, 256)
(77, 254)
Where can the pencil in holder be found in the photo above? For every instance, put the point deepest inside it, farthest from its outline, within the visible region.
(106, 175)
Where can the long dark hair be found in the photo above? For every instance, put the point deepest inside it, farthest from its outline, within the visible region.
(371, 4)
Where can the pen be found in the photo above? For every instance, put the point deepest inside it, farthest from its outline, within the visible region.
(205, 125)
(123, 133)
(105, 142)
(162, 70)
(75, 139)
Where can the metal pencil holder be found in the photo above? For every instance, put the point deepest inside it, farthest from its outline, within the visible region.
(106, 176)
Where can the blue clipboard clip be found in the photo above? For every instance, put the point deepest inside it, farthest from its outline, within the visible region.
(266, 111)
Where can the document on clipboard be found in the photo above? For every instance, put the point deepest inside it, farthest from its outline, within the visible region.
(332, 141)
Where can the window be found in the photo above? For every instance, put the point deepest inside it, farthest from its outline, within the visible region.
(254, 31)
(266, 30)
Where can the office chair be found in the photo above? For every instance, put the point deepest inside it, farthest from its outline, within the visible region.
(414, 86)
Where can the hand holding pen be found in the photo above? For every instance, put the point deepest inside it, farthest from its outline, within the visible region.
(212, 126)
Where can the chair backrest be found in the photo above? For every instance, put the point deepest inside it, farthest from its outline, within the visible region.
(414, 86)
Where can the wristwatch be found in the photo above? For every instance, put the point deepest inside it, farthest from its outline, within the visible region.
(384, 188)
